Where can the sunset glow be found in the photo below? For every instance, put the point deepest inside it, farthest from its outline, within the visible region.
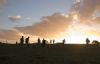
(75, 17)
(73, 20)
(78, 32)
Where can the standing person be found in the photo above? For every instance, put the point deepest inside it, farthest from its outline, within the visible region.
(39, 41)
(50, 41)
(64, 41)
(53, 41)
(22, 40)
(27, 40)
(87, 41)
(43, 42)
(16, 42)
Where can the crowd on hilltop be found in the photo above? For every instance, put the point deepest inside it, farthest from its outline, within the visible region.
(39, 41)
(43, 41)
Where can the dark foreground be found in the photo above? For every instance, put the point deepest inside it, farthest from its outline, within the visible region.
(50, 54)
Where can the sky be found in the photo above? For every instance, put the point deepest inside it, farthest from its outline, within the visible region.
(50, 19)
(30, 10)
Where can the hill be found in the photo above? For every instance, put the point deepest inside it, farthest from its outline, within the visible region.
(49, 54)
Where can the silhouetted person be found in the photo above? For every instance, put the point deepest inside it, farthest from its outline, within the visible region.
(39, 41)
(64, 41)
(16, 42)
(53, 41)
(22, 40)
(27, 40)
(87, 41)
(43, 42)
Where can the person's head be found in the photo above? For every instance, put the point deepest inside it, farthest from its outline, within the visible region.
(87, 38)
(38, 38)
(22, 36)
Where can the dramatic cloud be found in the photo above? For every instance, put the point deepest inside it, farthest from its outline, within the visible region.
(86, 8)
(8, 34)
(2, 2)
(50, 26)
(14, 18)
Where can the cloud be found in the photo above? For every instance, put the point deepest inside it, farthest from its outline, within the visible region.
(9, 34)
(50, 26)
(86, 8)
(3, 2)
(14, 18)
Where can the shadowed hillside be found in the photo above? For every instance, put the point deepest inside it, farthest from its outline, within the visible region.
(49, 54)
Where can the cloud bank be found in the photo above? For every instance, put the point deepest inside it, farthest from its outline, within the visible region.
(9, 34)
(58, 23)
(50, 26)
(87, 8)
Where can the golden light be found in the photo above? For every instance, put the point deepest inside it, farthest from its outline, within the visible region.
(75, 17)
(78, 32)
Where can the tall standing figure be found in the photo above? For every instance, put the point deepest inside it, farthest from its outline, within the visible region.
(38, 41)
(64, 41)
(87, 41)
(43, 42)
(22, 40)
(53, 41)
(27, 40)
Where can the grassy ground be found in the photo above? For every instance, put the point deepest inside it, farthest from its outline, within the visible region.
(50, 54)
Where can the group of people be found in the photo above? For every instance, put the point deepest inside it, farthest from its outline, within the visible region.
(39, 41)
(26, 40)
(43, 42)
